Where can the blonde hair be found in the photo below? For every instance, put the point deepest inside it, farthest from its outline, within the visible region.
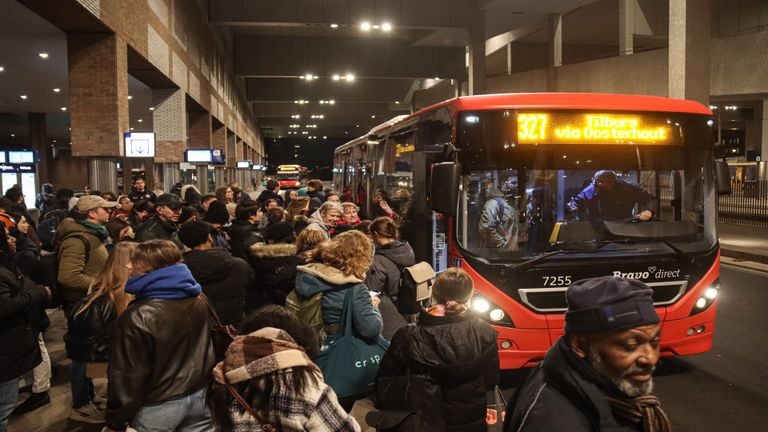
(112, 277)
(351, 252)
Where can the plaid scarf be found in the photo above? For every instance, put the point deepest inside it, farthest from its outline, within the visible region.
(646, 408)
(259, 353)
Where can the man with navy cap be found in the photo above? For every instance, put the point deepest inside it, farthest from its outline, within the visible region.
(608, 198)
(598, 375)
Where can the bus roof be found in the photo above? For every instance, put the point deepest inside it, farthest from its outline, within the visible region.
(580, 101)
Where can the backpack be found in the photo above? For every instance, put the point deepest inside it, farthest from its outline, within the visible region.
(49, 269)
(308, 310)
(46, 230)
(415, 287)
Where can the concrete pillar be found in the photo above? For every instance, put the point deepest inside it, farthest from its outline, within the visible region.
(98, 101)
(690, 24)
(477, 55)
(555, 50)
(202, 179)
(627, 10)
(38, 141)
(102, 174)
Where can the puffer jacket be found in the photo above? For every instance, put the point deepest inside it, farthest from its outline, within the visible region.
(75, 275)
(384, 277)
(88, 332)
(158, 229)
(275, 266)
(20, 305)
(317, 277)
(161, 347)
(225, 279)
(460, 354)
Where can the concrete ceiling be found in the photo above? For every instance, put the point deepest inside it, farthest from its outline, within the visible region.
(273, 42)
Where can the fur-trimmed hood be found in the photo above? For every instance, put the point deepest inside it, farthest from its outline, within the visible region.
(317, 277)
(277, 250)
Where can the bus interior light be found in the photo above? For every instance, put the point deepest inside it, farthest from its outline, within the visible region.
(472, 119)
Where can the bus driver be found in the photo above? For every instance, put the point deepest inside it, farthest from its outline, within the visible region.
(608, 198)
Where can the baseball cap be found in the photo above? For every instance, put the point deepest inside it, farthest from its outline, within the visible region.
(87, 203)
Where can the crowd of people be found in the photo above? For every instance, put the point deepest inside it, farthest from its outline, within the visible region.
(148, 280)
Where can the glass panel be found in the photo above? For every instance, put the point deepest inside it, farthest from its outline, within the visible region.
(520, 201)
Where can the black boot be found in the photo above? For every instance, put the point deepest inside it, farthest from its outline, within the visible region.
(35, 401)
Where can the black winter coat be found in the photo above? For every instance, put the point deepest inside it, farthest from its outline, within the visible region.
(268, 195)
(384, 277)
(565, 393)
(225, 281)
(460, 354)
(275, 266)
(155, 228)
(21, 303)
(88, 333)
(243, 235)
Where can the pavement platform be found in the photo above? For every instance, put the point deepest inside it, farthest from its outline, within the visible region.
(744, 246)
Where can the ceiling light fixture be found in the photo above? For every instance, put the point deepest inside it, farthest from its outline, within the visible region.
(365, 26)
(63, 108)
(23, 97)
(56, 90)
(2, 69)
(334, 25)
(386, 27)
(140, 120)
(349, 77)
(43, 55)
(130, 97)
(296, 116)
(151, 108)
(336, 77)
(13, 135)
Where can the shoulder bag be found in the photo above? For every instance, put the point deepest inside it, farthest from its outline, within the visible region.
(349, 363)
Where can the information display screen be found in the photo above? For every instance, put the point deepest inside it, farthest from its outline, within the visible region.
(21, 157)
(244, 164)
(197, 156)
(139, 144)
(596, 128)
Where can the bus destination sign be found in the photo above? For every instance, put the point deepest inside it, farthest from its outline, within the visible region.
(595, 128)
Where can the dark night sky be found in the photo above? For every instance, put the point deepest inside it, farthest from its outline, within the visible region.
(313, 154)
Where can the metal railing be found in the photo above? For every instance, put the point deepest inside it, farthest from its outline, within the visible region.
(747, 204)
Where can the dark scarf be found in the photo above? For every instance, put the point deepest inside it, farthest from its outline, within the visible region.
(172, 282)
(645, 409)
(99, 230)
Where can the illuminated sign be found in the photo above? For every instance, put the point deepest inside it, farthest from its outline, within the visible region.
(596, 128)
(139, 144)
(404, 148)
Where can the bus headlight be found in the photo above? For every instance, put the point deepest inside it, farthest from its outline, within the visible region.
(480, 304)
(487, 310)
(706, 300)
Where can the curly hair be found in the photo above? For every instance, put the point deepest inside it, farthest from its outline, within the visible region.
(351, 252)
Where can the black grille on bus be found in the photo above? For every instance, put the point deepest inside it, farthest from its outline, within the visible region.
(553, 299)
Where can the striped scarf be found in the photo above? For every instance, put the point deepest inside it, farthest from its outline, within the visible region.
(259, 353)
(646, 408)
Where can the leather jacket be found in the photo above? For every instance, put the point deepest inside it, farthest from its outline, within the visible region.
(161, 349)
(88, 331)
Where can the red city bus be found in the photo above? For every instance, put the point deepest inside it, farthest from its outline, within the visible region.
(527, 156)
(291, 176)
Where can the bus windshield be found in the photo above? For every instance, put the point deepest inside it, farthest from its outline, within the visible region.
(521, 200)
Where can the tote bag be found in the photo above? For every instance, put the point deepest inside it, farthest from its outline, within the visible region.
(350, 364)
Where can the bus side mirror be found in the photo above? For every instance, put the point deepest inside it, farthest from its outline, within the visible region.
(444, 187)
(722, 177)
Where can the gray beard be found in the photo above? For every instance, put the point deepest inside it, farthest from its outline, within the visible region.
(623, 382)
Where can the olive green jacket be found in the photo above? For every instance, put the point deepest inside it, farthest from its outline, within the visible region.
(75, 275)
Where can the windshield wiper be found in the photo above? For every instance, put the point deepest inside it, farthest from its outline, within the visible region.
(517, 268)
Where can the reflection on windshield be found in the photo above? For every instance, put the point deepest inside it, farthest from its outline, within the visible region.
(517, 213)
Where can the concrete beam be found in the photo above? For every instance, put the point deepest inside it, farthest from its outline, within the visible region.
(281, 56)
(360, 90)
(339, 109)
(402, 13)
